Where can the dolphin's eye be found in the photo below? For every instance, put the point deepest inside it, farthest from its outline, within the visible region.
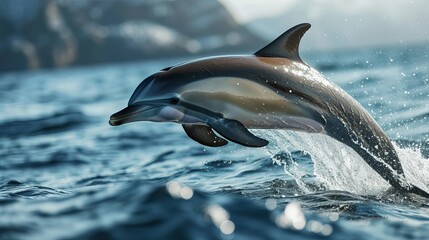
(174, 100)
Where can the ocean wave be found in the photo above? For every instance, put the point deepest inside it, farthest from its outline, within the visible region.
(14, 189)
(136, 211)
(53, 123)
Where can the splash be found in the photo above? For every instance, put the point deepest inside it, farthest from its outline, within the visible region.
(416, 167)
(338, 167)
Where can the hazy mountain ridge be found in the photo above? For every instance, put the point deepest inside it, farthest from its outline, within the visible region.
(44, 34)
(343, 25)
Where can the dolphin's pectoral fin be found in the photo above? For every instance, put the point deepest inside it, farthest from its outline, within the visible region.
(286, 45)
(235, 131)
(204, 135)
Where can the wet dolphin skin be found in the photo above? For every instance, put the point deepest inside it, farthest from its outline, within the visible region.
(218, 99)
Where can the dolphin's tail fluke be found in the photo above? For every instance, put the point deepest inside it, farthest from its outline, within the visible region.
(418, 191)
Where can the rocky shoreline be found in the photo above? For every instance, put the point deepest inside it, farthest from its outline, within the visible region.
(47, 34)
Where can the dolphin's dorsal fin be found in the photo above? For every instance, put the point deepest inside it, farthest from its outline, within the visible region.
(286, 45)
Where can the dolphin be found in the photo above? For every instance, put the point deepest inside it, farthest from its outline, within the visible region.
(217, 99)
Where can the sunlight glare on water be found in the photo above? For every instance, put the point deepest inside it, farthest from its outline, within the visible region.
(64, 166)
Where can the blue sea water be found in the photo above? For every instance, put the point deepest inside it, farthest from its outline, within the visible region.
(66, 174)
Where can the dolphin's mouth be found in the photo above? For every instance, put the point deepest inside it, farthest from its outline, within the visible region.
(128, 114)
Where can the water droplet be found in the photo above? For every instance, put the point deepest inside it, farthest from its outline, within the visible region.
(334, 216)
(186, 193)
(227, 227)
(173, 188)
(326, 230)
(218, 214)
(271, 204)
(177, 190)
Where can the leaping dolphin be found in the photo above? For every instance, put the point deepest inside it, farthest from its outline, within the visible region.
(271, 89)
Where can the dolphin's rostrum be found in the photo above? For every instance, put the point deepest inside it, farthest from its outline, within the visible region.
(272, 89)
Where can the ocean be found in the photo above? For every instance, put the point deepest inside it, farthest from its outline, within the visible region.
(65, 173)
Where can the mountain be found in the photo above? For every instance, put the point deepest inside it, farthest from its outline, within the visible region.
(45, 34)
(338, 24)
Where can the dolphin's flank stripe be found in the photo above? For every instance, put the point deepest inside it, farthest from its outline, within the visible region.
(272, 89)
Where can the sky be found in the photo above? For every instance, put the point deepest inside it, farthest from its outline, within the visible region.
(245, 11)
(338, 23)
